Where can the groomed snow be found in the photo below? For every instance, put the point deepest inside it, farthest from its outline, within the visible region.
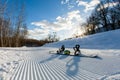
(105, 40)
(35, 63)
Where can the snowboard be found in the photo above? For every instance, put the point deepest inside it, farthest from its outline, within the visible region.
(77, 55)
(82, 55)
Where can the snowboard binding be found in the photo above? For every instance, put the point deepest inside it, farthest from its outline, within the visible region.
(77, 50)
(61, 49)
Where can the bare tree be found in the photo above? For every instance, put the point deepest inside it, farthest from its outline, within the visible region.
(117, 9)
(104, 15)
(52, 37)
(20, 26)
(12, 31)
(2, 20)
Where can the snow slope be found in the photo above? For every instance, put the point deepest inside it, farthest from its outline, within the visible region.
(35, 63)
(105, 40)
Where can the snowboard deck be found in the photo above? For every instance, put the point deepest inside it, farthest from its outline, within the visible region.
(78, 55)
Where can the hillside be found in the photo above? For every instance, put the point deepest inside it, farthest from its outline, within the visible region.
(104, 40)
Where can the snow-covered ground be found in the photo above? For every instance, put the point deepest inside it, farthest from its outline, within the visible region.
(105, 40)
(35, 63)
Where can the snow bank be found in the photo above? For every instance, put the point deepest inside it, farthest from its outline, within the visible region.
(9, 58)
(105, 40)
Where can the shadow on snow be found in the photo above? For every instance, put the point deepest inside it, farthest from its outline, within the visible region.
(72, 65)
(53, 56)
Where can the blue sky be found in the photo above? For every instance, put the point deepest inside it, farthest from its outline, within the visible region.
(61, 16)
(38, 10)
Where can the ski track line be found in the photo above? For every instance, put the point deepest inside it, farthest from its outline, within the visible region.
(15, 72)
(49, 72)
(53, 73)
(22, 73)
(35, 74)
(69, 74)
(57, 73)
(47, 69)
(18, 71)
(91, 74)
(26, 70)
(40, 71)
(32, 69)
(19, 75)
(45, 77)
(88, 75)
(84, 75)
(35, 71)
(46, 72)
(60, 71)
(52, 70)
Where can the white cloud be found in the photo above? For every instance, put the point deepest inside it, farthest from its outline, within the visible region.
(91, 5)
(61, 22)
(108, 5)
(88, 5)
(67, 23)
(64, 1)
(69, 3)
(37, 33)
(83, 3)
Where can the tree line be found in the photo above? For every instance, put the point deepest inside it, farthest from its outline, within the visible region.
(13, 28)
(105, 17)
(36, 43)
